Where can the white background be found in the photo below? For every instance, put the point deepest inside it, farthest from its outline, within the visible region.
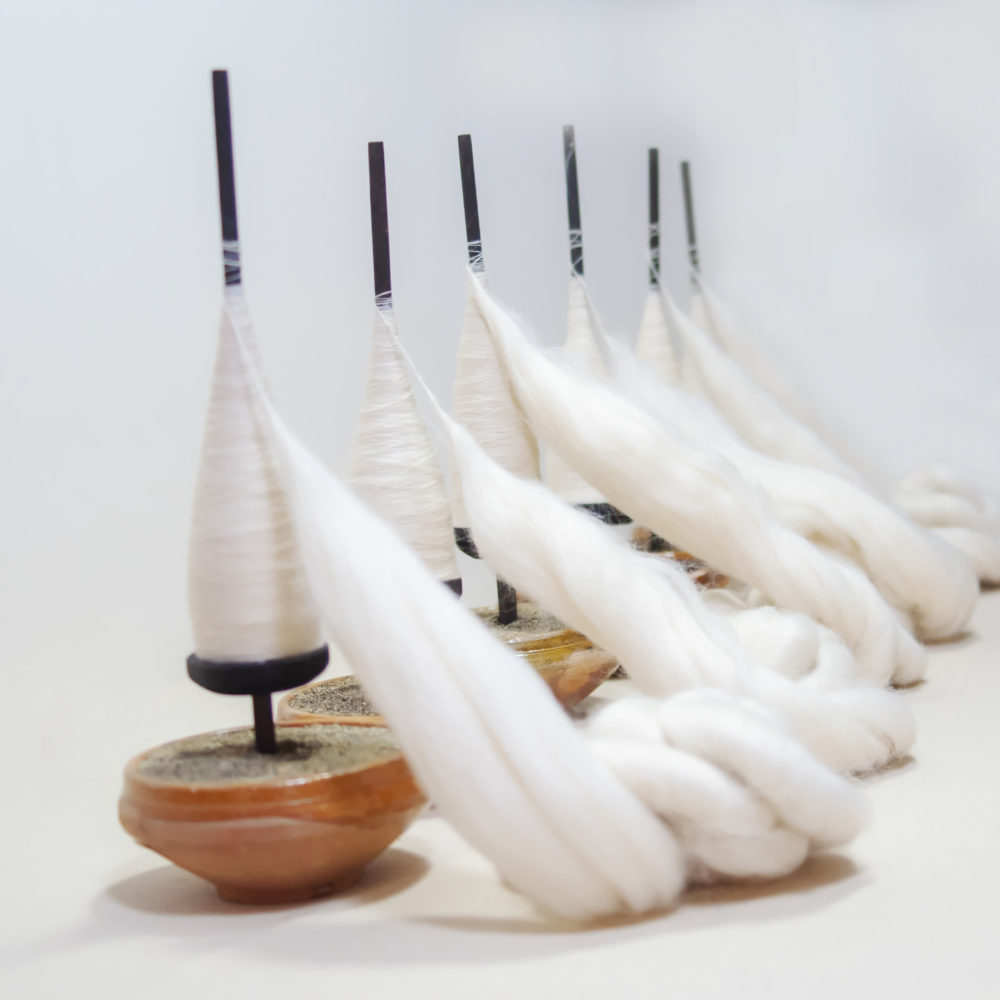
(847, 172)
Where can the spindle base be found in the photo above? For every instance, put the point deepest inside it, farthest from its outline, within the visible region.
(272, 828)
(571, 665)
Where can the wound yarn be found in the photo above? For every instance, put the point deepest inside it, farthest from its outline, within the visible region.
(393, 465)
(655, 344)
(583, 351)
(484, 403)
(699, 501)
(247, 590)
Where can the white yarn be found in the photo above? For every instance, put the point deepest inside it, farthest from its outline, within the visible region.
(699, 501)
(584, 341)
(583, 351)
(393, 466)
(488, 742)
(655, 345)
(484, 403)
(761, 405)
(649, 614)
(915, 571)
(247, 590)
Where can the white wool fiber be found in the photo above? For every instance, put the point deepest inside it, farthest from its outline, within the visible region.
(748, 408)
(760, 403)
(504, 763)
(711, 314)
(964, 515)
(393, 466)
(698, 500)
(485, 404)
(916, 571)
(583, 352)
(247, 590)
(648, 613)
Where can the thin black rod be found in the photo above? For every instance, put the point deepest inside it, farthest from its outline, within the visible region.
(689, 217)
(380, 223)
(654, 218)
(506, 602)
(470, 201)
(263, 723)
(227, 178)
(573, 200)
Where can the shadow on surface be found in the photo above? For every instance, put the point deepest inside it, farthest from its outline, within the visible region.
(416, 940)
(957, 641)
(171, 891)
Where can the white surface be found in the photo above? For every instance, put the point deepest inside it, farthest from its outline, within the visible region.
(909, 910)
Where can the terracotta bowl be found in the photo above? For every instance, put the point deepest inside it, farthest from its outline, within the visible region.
(278, 839)
(567, 661)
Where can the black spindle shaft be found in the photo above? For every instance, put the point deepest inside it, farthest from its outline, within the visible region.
(506, 602)
(227, 178)
(692, 239)
(380, 224)
(654, 218)
(506, 594)
(263, 723)
(573, 200)
(470, 201)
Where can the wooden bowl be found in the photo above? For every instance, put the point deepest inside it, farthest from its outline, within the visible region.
(567, 661)
(285, 836)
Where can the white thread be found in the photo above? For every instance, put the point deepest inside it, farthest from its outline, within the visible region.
(475, 251)
(393, 466)
(484, 403)
(247, 590)
(698, 500)
(488, 742)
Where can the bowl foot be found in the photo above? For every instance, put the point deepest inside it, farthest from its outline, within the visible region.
(282, 895)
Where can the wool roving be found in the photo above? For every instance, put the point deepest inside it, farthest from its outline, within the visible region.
(650, 615)
(748, 408)
(505, 765)
(761, 405)
(483, 402)
(248, 594)
(711, 314)
(698, 500)
(393, 466)
(917, 572)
